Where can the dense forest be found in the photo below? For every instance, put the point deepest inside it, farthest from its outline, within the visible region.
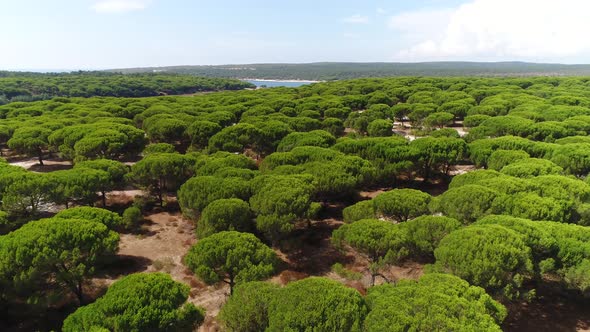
(20, 86)
(382, 204)
(328, 71)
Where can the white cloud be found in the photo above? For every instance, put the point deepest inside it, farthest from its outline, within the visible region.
(381, 11)
(356, 19)
(119, 6)
(496, 30)
(421, 25)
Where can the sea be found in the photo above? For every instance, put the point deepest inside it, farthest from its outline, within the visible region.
(277, 83)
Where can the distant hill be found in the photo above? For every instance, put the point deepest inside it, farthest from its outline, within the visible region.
(29, 86)
(326, 71)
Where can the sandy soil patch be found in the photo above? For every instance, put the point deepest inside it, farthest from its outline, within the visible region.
(163, 242)
(373, 193)
(123, 197)
(32, 164)
(461, 169)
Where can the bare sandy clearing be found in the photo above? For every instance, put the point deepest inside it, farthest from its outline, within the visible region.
(32, 164)
(162, 244)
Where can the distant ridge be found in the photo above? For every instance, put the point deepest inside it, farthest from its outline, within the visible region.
(347, 70)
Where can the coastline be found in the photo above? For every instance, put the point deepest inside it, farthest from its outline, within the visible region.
(277, 80)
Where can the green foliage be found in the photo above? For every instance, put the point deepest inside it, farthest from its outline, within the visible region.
(196, 193)
(23, 192)
(424, 233)
(380, 127)
(436, 302)
(557, 248)
(160, 172)
(466, 203)
(445, 132)
(230, 214)
(438, 154)
(500, 158)
(247, 309)
(549, 118)
(218, 162)
(115, 170)
(533, 206)
(490, 256)
(474, 120)
(335, 174)
(371, 237)
(110, 219)
(334, 126)
(88, 84)
(80, 185)
(163, 128)
(319, 138)
(577, 276)
(541, 242)
(343, 272)
(98, 140)
(231, 257)
(322, 303)
(439, 119)
(235, 138)
(201, 131)
(574, 158)
(158, 148)
(132, 217)
(358, 211)
(402, 204)
(3, 218)
(58, 254)
(139, 302)
(531, 167)
(279, 202)
(31, 141)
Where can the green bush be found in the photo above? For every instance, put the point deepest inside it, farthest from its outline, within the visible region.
(132, 217)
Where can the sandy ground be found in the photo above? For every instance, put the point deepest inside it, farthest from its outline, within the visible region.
(373, 193)
(123, 196)
(32, 164)
(160, 246)
(461, 169)
(165, 238)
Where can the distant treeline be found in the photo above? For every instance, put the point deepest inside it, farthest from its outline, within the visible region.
(19, 86)
(326, 71)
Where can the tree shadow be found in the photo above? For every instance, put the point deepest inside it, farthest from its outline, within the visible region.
(122, 265)
(310, 251)
(49, 168)
(552, 310)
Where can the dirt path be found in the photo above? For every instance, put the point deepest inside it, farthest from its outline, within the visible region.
(32, 164)
(162, 244)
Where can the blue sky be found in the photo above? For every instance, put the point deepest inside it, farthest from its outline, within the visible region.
(96, 34)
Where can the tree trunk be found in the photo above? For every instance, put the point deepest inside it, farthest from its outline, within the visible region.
(231, 284)
(426, 173)
(40, 159)
(104, 199)
(33, 206)
(161, 187)
(79, 293)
